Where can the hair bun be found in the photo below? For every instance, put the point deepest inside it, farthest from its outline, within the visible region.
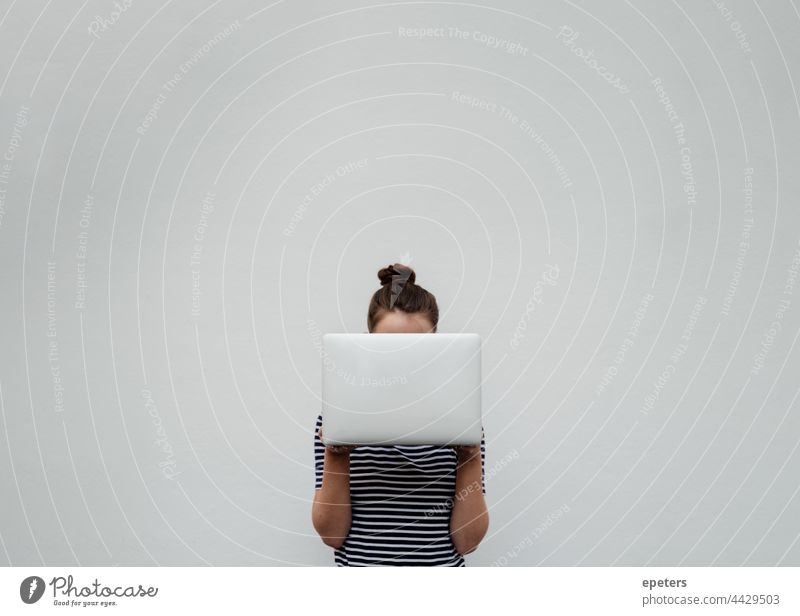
(405, 274)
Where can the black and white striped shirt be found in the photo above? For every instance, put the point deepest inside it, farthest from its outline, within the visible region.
(401, 498)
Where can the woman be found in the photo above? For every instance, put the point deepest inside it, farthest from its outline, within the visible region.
(400, 505)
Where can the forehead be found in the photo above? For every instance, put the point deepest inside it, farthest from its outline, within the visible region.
(398, 321)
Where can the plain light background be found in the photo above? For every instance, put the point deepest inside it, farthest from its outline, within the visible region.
(637, 295)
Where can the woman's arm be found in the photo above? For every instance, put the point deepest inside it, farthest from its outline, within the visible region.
(331, 511)
(469, 520)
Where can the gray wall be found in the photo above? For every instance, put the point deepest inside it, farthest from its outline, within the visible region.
(606, 193)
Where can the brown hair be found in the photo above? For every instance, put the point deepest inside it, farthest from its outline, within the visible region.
(399, 292)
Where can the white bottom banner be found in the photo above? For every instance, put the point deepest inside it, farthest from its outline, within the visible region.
(401, 590)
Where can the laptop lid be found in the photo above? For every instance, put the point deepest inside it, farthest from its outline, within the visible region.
(410, 389)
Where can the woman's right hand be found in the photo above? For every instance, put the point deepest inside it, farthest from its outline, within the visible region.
(337, 449)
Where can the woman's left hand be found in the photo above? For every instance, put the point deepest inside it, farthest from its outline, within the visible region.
(467, 452)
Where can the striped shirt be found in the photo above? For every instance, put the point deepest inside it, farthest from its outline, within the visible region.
(401, 498)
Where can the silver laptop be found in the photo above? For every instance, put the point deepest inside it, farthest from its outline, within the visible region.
(401, 389)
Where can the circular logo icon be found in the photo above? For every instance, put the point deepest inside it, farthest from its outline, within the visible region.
(31, 589)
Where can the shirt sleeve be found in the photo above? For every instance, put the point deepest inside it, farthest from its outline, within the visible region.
(319, 455)
(483, 462)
